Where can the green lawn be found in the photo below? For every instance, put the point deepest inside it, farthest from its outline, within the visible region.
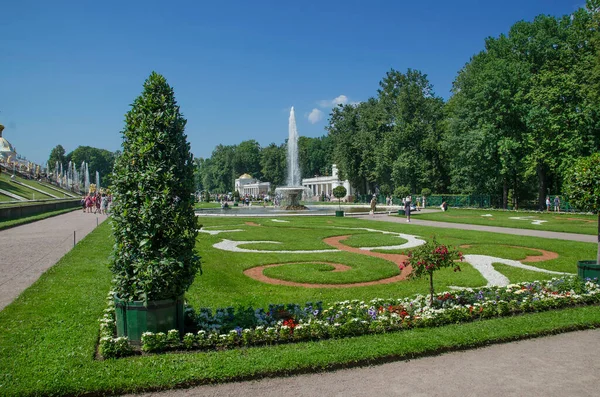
(48, 335)
(554, 222)
(207, 205)
(20, 190)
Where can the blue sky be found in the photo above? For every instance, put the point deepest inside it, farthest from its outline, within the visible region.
(70, 69)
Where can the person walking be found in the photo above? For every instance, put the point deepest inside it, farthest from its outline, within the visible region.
(407, 203)
(556, 204)
(373, 205)
(547, 203)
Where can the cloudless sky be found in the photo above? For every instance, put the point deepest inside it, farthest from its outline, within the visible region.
(70, 69)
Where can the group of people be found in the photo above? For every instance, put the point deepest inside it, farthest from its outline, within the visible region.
(406, 203)
(96, 203)
(556, 204)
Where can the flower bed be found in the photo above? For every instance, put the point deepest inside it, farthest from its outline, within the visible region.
(291, 323)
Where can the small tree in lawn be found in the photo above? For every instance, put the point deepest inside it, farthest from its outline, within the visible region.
(428, 258)
(339, 193)
(401, 192)
(583, 188)
(153, 218)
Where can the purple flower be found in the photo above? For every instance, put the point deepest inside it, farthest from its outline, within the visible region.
(372, 312)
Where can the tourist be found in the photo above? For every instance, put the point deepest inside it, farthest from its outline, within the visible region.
(556, 204)
(104, 204)
(407, 203)
(547, 203)
(444, 206)
(82, 202)
(88, 203)
(373, 205)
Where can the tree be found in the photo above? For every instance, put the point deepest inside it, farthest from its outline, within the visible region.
(339, 192)
(153, 218)
(314, 156)
(98, 160)
(401, 192)
(430, 257)
(273, 164)
(411, 145)
(583, 187)
(57, 155)
(246, 159)
(220, 174)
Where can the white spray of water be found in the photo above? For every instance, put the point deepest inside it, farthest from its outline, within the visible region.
(292, 157)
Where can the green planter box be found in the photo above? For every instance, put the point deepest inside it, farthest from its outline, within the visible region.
(339, 214)
(135, 318)
(588, 269)
(401, 212)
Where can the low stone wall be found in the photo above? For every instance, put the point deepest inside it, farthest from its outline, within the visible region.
(34, 209)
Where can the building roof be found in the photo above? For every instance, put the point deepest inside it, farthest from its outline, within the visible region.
(245, 176)
(6, 149)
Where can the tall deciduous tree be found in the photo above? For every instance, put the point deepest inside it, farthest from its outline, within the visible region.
(57, 155)
(583, 187)
(273, 164)
(415, 122)
(100, 160)
(246, 159)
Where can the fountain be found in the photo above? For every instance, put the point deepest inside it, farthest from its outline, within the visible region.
(292, 193)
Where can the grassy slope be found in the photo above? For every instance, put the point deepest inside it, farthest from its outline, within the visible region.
(20, 190)
(555, 222)
(5, 179)
(48, 335)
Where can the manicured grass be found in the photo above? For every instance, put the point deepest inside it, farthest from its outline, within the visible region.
(362, 269)
(555, 222)
(20, 190)
(207, 205)
(33, 218)
(223, 269)
(48, 335)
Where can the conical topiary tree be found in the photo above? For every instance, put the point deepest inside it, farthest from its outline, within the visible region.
(154, 224)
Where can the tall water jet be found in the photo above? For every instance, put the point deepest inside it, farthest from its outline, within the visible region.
(97, 181)
(293, 178)
(87, 178)
(292, 193)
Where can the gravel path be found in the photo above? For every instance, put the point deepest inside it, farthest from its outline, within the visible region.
(559, 365)
(29, 250)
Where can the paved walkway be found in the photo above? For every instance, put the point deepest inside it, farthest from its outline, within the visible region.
(560, 365)
(494, 229)
(29, 250)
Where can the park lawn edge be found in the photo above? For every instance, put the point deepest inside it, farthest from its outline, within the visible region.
(434, 217)
(68, 369)
(34, 218)
(421, 343)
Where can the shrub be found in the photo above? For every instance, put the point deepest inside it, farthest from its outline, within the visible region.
(153, 210)
(401, 191)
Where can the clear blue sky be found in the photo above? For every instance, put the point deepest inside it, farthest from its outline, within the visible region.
(70, 69)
